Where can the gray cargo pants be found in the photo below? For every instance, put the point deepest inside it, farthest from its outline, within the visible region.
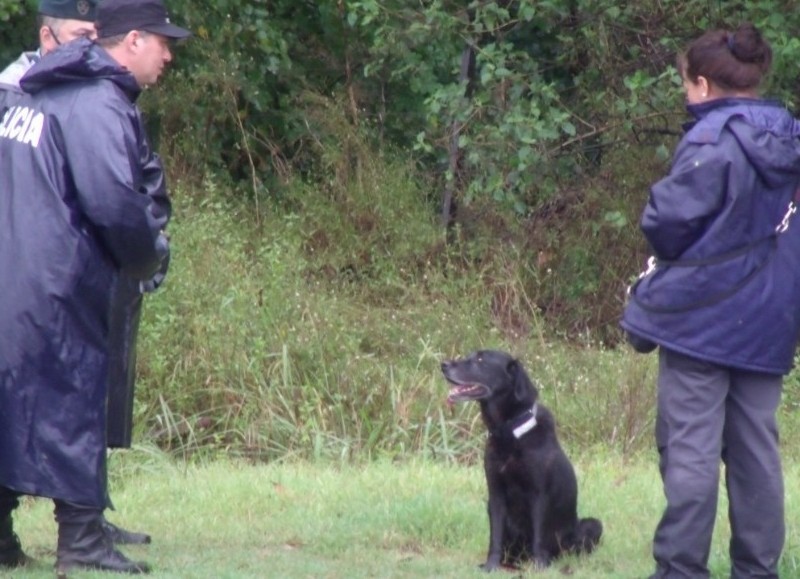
(708, 412)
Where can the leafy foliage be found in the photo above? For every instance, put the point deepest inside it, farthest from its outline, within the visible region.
(552, 87)
(16, 28)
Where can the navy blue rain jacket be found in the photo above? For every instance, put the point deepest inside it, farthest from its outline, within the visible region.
(727, 288)
(82, 201)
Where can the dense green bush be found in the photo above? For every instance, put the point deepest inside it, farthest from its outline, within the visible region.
(573, 109)
(317, 328)
(17, 28)
(554, 86)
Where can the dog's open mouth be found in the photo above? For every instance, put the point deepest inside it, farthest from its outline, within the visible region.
(465, 392)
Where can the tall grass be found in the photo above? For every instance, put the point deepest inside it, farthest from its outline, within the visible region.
(312, 323)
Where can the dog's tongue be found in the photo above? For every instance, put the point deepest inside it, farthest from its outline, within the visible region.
(455, 390)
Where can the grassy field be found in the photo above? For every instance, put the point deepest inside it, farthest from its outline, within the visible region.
(381, 519)
(290, 408)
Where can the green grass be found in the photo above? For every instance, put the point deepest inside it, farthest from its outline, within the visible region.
(385, 518)
(290, 409)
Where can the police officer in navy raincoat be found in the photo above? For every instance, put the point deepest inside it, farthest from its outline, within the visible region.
(83, 203)
(60, 22)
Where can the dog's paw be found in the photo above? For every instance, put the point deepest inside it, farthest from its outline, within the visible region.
(489, 566)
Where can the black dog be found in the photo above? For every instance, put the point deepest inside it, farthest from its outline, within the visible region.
(533, 492)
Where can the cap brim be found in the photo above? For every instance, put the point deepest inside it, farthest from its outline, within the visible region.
(168, 30)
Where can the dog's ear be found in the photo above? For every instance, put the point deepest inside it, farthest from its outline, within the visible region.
(522, 384)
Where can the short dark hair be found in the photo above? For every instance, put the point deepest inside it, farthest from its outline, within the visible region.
(52, 22)
(111, 40)
(736, 60)
(116, 39)
(46, 20)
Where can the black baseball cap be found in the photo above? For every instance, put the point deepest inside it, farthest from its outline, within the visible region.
(68, 9)
(115, 17)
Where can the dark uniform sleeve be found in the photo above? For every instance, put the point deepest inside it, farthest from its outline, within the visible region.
(122, 196)
(682, 203)
(153, 184)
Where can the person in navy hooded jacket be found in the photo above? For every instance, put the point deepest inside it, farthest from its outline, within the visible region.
(83, 203)
(722, 304)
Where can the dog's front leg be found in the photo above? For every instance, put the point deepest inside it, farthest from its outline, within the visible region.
(539, 552)
(497, 521)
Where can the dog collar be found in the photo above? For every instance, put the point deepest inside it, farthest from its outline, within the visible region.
(528, 425)
(517, 426)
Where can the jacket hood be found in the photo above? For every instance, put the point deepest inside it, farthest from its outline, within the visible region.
(78, 61)
(9, 77)
(764, 129)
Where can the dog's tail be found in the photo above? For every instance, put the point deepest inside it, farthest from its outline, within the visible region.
(588, 535)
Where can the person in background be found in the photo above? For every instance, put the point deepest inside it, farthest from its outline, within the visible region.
(59, 22)
(722, 304)
(93, 208)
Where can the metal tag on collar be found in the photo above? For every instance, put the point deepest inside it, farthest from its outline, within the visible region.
(526, 426)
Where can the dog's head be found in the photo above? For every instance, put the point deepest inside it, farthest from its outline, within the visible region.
(488, 374)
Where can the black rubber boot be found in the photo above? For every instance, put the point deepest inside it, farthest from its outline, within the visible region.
(120, 536)
(83, 544)
(11, 553)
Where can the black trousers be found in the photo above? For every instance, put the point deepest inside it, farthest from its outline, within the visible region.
(124, 315)
(9, 500)
(706, 414)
